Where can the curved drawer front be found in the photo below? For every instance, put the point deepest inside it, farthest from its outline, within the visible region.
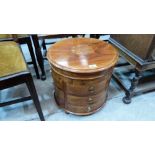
(85, 88)
(85, 101)
(78, 104)
(84, 105)
(81, 87)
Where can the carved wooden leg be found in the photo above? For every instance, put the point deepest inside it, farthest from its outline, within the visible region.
(134, 83)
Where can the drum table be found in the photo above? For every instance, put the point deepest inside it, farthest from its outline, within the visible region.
(81, 70)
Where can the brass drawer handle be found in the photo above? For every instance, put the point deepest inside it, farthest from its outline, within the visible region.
(90, 101)
(91, 89)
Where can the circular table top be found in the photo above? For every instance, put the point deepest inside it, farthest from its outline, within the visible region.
(82, 55)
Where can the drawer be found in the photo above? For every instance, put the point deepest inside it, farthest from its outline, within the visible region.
(81, 87)
(86, 101)
(84, 104)
(87, 87)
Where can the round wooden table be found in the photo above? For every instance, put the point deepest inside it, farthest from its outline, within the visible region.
(81, 70)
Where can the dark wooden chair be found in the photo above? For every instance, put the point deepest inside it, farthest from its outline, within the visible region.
(14, 71)
(23, 39)
(40, 43)
(139, 51)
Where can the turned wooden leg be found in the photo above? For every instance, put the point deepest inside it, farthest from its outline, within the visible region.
(134, 83)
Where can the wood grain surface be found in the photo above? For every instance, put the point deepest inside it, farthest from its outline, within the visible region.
(81, 70)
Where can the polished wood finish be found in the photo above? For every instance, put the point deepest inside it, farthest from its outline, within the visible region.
(39, 46)
(81, 70)
(140, 45)
(139, 51)
(82, 55)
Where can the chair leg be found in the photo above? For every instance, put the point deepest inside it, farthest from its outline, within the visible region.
(44, 45)
(33, 93)
(39, 56)
(33, 57)
(134, 83)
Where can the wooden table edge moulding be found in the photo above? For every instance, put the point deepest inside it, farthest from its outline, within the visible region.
(81, 69)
